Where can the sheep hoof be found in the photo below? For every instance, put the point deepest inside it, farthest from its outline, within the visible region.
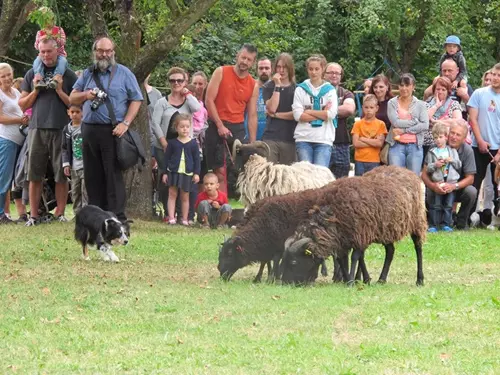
(420, 282)
(367, 282)
(257, 280)
(350, 283)
(380, 281)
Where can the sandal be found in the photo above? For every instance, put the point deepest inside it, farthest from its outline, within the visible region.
(185, 223)
(172, 222)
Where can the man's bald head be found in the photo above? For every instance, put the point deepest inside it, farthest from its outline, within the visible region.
(449, 69)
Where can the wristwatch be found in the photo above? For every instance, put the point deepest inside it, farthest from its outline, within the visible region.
(277, 89)
(126, 122)
(456, 186)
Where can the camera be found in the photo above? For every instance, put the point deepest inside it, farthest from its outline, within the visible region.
(100, 97)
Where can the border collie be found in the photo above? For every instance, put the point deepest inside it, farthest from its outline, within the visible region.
(94, 226)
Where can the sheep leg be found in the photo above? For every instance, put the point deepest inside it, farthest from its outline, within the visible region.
(356, 255)
(276, 275)
(337, 269)
(258, 278)
(417, 241)
(389, 254)
(324, 269)
(362, 269)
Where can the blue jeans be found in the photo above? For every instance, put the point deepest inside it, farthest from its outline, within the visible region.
(440, 210)
(314, 153)
(362, 167)
(408, 156)
(8, 154)
(61, 66)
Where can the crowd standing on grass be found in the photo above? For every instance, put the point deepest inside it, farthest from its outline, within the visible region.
(450, 138)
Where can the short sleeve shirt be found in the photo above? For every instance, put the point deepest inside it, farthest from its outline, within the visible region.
(49, 111)
(466, 156)
(342, 134)
(487, 102)
(122, 89)
(368, 129)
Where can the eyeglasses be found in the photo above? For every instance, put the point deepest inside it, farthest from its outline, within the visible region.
(334, 73)
(104, 51)
(178, 81)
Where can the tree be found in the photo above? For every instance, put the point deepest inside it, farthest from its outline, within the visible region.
(13, 16)
(142, 58)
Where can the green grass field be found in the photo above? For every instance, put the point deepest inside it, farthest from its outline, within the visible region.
(163, 310)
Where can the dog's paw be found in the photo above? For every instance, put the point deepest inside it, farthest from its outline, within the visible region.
(112, 256)
(105, 256)
(474, 219)
(87, 258)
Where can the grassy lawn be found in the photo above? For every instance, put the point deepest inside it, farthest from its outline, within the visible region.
(163, 310)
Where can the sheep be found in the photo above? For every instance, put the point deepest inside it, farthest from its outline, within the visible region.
(267, 225)
(260, 178)
(378, 207)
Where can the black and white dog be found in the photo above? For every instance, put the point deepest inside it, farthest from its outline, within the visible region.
(94, 226)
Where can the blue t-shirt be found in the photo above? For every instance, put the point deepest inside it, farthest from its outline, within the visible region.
(487, 102)
(123, 89)
(261, 116)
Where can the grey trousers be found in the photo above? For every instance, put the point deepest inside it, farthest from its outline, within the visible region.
(205, 208)
(78, 191)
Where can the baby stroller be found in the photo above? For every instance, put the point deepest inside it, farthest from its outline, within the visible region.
(156, 201)
(48, 199)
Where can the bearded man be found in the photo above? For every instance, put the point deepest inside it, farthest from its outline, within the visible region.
(45, 134)
(103, 178)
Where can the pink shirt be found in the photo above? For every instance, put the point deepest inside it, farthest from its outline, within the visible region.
(57, 33)
(406, 137)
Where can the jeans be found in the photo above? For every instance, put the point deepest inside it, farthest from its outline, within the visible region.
(340, 160)
(407, 155)
(206, 209)
(466, 197)
(8, 153)
(440, 207)
(361, 167)
(314, 153)
(61, 66)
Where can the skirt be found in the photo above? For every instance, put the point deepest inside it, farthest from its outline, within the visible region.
(180, 180)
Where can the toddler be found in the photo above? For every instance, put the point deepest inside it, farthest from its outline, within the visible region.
(212, 206)
(453, 50)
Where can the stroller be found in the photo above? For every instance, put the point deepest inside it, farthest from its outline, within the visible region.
(48, 199)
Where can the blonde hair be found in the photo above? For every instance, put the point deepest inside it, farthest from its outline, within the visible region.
(370, 98)
(319, 58)
(4, 66)
(439, 128)
(182, 117)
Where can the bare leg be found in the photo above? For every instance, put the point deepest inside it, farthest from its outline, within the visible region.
(172, 197)
(61, 197)
(221, 175)
(35, 192)
(20, 207)
(6, 208)
(184, 204)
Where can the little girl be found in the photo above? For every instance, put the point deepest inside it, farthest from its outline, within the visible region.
(49, 31)
(182, 161)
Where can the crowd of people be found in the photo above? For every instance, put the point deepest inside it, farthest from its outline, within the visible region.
(450, 139)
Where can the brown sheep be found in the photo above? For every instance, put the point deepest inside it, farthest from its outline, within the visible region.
(376, 208)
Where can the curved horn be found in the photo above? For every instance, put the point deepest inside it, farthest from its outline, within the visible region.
(236, 147)
(297, 245)
(288, 242)
(264, 146)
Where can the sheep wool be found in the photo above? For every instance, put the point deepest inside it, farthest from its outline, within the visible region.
(261, 179)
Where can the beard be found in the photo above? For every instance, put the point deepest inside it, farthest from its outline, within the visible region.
(104, 63)
(264, 78)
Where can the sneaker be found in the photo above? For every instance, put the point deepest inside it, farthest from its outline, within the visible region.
(446, 228)
(62, 219)
(22, 219)
(4, 219)
(191, 223)
(432, 230)
(32, 221)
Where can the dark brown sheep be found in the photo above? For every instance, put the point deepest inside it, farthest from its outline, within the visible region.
(383, 207)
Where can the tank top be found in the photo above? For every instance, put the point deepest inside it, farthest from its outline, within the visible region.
(233, 96)
(11, 108)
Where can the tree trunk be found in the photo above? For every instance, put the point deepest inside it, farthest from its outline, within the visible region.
(142, 60)
(13, 17)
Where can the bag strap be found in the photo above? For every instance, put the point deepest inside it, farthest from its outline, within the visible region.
(108, 103)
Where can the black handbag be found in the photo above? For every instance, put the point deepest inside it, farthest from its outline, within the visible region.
(129, 147)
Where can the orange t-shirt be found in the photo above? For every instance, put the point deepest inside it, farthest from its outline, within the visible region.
(233, 96)
(368, 129)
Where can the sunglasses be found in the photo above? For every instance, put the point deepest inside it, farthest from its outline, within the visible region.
(178, 81)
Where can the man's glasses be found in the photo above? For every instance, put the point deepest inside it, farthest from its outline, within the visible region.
(178, 81)
(104, 51)
(334, 73)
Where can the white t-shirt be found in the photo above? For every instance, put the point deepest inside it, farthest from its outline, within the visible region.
(305, 132)
(10, 108)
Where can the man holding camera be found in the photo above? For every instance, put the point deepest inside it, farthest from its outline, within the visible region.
(45, 132)
(109, 107)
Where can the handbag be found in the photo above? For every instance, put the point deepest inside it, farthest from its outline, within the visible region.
(384, 154)
(129, 147)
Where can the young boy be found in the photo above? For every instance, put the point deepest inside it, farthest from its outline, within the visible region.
(443, 165)
(453, 50)
(368, 136)
(212, 206)
(72, 157)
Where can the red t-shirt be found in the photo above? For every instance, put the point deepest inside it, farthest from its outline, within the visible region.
(203, 196)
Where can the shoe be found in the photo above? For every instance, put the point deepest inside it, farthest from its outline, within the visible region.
(52, 84)
(446, 228)
(462, 227)
(432, 230)
(61, 219)
(4, 219)
(185, 223)
(22, 219)
(32, 221)
(191, 223)
(172, 222)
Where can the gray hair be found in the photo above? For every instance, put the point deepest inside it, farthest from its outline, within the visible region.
(49, 40)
